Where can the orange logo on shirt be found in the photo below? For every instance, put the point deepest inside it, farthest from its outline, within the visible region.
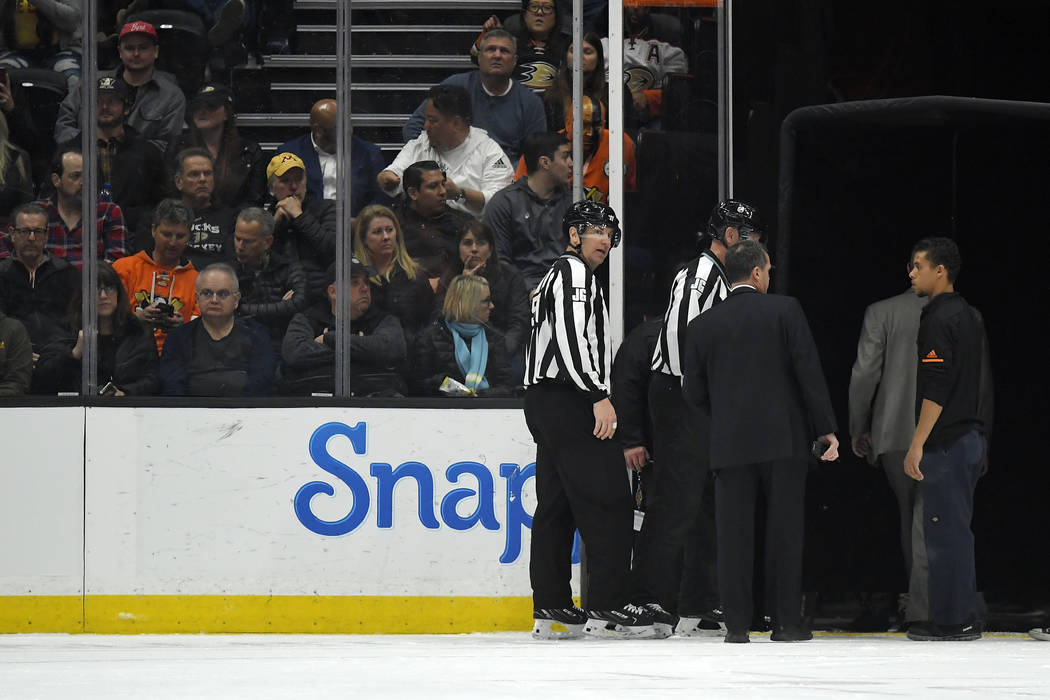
(931, 356)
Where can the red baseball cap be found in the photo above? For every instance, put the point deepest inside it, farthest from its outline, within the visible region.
(138, 27)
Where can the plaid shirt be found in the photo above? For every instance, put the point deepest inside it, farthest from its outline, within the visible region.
(63, 243)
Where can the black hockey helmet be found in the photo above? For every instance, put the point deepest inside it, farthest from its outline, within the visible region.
(587, 213)
(740, 215)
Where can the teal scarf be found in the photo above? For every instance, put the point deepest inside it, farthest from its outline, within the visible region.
(472, 361)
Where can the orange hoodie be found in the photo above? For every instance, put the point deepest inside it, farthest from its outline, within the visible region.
(147, 282)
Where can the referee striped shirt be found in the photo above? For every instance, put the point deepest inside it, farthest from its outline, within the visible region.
(569, 339)
(697, 287)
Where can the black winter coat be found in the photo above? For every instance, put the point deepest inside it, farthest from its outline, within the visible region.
(411, 301)
(377, 353)
(262, 293)
(310, 239)
(134, 362)
(433, 357)
(243, 184)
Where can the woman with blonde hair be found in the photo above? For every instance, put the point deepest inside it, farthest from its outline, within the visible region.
(399, 287)
(461, 345)
(16, 182)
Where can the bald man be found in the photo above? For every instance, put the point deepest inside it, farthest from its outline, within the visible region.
(317, 149)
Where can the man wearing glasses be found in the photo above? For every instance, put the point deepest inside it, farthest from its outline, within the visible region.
(36, 288)
(219, 353)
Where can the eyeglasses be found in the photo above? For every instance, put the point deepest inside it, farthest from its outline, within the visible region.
(537, 9)
(107, 289)
(38, 232)
(220, 294)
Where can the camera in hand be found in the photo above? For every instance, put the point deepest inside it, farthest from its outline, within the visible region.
(166, 309)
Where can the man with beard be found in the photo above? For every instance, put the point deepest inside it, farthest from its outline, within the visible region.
(65, 234)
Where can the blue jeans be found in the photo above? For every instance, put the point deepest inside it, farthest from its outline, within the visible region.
(949, 478)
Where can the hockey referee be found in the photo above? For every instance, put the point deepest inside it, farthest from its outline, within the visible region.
(676, 569)
(581, 475)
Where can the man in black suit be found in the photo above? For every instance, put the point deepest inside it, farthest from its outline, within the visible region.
(751, 365)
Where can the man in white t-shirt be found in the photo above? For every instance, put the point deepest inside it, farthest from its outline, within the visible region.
(474, 165)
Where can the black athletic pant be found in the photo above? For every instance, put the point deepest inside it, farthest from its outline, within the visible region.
(581, 482)
(736, 491)
(674, 561)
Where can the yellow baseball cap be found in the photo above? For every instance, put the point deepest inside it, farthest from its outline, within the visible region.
(282, 163)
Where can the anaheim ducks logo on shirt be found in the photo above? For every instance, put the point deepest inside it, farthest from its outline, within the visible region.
(537, 75)
(638, 78)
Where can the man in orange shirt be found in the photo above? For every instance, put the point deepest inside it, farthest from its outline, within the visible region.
(161, 282)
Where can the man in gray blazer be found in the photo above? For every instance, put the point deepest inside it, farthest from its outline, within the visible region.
(882, 420)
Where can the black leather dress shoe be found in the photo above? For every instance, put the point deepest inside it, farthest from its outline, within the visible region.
(737, 638)
(790, 634)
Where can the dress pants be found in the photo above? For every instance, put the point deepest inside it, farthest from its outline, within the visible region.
(736, 491)
(913, 541)
(675, 553)
(581, 482)
(949, 479)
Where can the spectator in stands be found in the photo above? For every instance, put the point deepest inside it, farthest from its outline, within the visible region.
(161, 282)
(475, 166)
(461, 345)
(42, 34)
(317, 150)
(596, 154)
(130, 171)
(16, 357)
(507, 110)
(540, 42)
(650, 55)
(430, 226)
(36, 288)
(377, 345)
(16, 177)
(557, 100)
(239, 163)
(211, 235)
(220, 353)
(305, 223)
(127, 354)
(273, 287)
(399, 285)
(65, 232)
(525, 217)
(158, 104)
(511, 313)
(30, 131)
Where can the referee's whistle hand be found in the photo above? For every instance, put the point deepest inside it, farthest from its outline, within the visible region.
(604, 419)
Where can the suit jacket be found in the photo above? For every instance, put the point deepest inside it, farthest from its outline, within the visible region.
(366, 161)
(882, 385)
(751, 364)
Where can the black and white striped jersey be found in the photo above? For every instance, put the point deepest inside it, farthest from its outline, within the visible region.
(569, 340)
(697, 287)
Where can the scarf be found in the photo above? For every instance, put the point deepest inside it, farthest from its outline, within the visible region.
(472, 362)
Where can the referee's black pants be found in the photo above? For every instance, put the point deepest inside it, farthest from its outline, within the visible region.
(675, 560)
(581, 483)
(736, 492)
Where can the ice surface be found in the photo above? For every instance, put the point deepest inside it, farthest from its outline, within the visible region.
(512, 665)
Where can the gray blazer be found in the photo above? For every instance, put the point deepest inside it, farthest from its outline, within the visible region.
(882, 386)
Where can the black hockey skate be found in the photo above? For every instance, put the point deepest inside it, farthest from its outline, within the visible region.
(663, 621)
(708, 624)
(558, 623)
(629, 622)
(1040, 633)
